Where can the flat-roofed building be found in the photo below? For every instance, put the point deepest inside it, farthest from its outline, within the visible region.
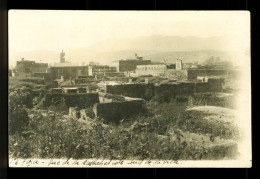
(28, 67)
(154, 70)
(129, 65)
(68, 71)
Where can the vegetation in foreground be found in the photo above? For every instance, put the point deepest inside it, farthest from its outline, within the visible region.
(157, 135)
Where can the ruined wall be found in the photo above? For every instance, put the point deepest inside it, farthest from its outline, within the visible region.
(201, 87)
(74, 112)
(106, 97)
(80, 100)
(215, 85)
(116, 111)
(170, 90)
(145, 91)
(181, 89)
(87, 114)
(84, 79)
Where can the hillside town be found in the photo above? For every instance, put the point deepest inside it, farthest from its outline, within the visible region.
(134, 94)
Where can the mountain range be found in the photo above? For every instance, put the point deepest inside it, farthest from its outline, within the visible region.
(155, 47)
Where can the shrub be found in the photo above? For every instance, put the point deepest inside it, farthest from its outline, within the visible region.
(156, 136)
(17, 120)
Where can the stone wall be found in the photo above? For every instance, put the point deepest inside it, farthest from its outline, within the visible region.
(215, 84)
(147, 91)
(106, 97)
(181, 89)
(201, 87)
(80, 100)
(87, 114)
(116, 111)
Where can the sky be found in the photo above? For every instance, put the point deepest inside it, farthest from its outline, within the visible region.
(55, 30)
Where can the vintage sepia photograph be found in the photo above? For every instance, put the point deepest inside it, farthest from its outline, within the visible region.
(129, 89)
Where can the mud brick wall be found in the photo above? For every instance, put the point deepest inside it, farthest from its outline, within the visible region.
(82, 90)
(86, 114)
(80, 100)
(201, 87)
(167, 89)
(116, 111)
(144, 91)
(130, 65)
(106, 97)
(147, 91)
(186, 88)
(215, 85)
(181, 89)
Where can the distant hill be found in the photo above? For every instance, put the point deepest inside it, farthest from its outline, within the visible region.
(163, 43)
(189, 56)
(156, 48)
(84, 56)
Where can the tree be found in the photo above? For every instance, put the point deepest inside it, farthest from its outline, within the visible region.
(20, 97)
(18, 118)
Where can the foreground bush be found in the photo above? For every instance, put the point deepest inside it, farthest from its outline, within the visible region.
(53, 135)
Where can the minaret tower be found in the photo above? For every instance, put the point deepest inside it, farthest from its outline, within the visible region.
(62, 57)
(179, 64)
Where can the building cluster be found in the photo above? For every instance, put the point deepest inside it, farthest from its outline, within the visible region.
(137, 66)
(83, 90)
